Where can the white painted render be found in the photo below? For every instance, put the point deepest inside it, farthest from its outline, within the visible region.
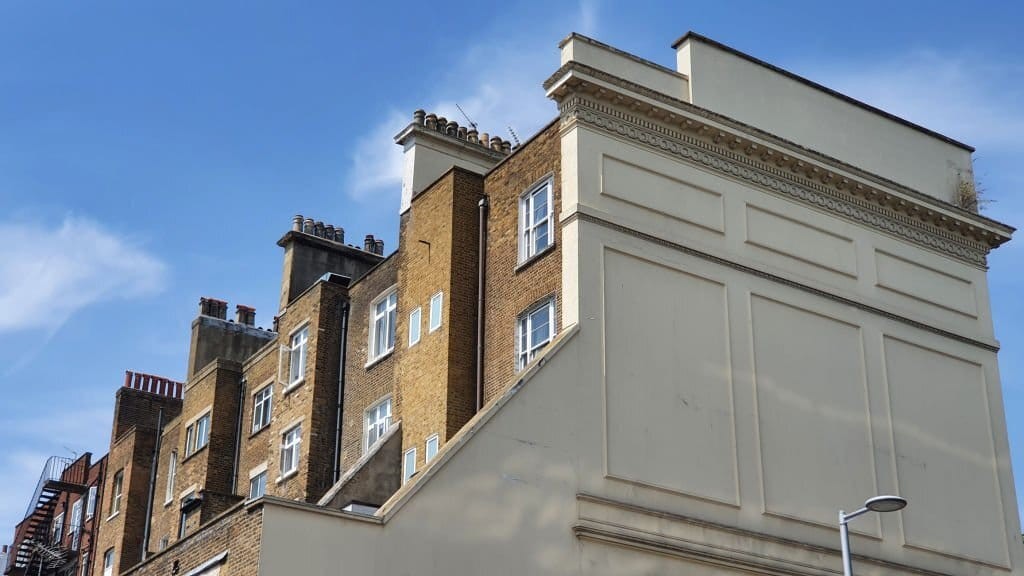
(577, 48)
(734, 86)
(427, 156)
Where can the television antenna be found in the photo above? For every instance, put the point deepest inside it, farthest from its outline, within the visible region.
(466, 116)
(515, 138)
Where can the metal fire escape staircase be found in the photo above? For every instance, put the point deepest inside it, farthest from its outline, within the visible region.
(40, 547)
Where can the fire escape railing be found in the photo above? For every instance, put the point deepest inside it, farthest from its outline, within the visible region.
(56, 469)
(42, 539)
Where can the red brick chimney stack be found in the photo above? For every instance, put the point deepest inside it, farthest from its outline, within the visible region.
(245, 315)
(213, 307)
(153, 384)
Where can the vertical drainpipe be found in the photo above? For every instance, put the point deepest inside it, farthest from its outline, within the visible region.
(481, 268)
(238, 434)
(343, 313)
(152, 483)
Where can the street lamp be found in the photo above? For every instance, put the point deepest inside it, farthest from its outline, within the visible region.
(876, 504)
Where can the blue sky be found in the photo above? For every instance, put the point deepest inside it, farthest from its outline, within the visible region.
(153, 153)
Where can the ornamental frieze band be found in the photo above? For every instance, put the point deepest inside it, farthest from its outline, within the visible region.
(786, 183)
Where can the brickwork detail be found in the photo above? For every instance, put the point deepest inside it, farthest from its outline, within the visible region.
(511, 288)
(237, 531)
(436, 377)
(366, 385)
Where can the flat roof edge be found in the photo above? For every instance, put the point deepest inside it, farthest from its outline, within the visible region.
(691, 35)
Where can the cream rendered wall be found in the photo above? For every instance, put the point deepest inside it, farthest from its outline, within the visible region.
(577, 48)
(428, 156)
(733, 86)
(766, 364)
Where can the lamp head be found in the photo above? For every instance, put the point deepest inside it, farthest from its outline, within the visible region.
(885, 504)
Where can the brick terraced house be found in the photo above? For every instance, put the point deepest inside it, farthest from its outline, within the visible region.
(675, 331)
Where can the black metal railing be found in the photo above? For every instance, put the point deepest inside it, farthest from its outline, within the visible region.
(57, 469)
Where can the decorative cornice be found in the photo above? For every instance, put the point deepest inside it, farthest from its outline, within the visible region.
(699, 136)
(583, 216)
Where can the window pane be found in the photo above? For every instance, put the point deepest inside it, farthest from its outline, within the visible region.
(408, 464)
(392, 319)
(540, 204)
(432, 443)
(539, 320)
(435, 311)
(380, 334)
(541, 237)
(414, 326)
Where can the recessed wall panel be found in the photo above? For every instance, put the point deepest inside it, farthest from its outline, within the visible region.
(812, 413)
(668, 379)
(945, 458)
(926, 284)
(661, 193)
(798, 240)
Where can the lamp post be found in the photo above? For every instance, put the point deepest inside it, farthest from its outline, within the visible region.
(876, 504)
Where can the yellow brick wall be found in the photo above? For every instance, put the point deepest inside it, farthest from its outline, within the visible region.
(365, 385)
(511, 288)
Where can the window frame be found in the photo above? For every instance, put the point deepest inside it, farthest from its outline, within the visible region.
(183, 522)
(75, 526)
(261, 474)
(389, 317)
(172, 476)
(298, 340)
(431, 326)
(418, 324)
(526, 241)
(524, 324)
(262, 403)
(90, 503)
(84, 567)
(436, 439)
(57, 530)
(367, 426)
(294, 448)
(116, 492)
(407, 471)
(198, 429)
(108, 562)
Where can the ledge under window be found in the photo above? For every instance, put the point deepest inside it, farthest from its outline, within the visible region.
(198, 451)
(261, 429)
(379, 359)
(529, 261)
(290, 387)
(287, 476)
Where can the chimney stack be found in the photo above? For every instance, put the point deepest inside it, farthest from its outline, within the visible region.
(213, 307)
(369, 245)
(313, 248)
(378, 247)
(245, 315)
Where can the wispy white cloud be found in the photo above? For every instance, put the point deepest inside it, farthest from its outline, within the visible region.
(967, 97)
(496, 83)
(47, 273)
